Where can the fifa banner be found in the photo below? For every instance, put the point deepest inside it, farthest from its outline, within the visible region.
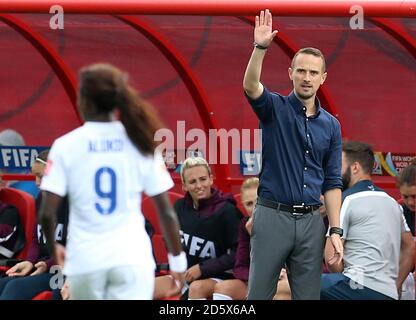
(250, 163)
(385, 163)
(18, 159)
(390, 164)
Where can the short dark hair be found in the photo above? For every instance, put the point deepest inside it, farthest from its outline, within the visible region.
(408, 175)
(43, 155)
(360, 152)
(312, 51)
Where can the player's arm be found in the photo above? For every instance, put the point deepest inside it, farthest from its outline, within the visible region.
(263, 36)
(169, 223)
(48, 210)
(170, 229)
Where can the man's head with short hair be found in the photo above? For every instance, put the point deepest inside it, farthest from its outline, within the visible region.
(357, 162)
(406, 181)
(408, 174)
(312, 51)
(10, 137)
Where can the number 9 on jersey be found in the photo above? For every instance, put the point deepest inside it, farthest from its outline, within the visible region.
(105, 184)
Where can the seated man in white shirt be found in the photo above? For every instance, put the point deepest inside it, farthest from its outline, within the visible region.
(378, 245)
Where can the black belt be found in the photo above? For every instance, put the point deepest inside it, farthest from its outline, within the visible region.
(293, 209)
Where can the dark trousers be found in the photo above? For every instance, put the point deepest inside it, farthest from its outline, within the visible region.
(336, 286)
(25, 288)
(280, 238)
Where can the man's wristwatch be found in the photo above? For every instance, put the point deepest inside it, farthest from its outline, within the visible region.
(259, 46)
(336, 230)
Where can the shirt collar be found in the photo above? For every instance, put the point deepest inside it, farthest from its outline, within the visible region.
(298, 105)
(360, 186)
(363, 185)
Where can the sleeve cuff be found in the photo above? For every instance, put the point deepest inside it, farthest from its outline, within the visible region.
(260, 100)
(49, 262)
(329, 186)
(204, 270)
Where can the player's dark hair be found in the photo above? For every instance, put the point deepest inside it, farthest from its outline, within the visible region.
(360, 152)
(106, 87)
(43, 155)
(408, 175)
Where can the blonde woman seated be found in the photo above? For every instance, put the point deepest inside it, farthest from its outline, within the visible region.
(209, 223)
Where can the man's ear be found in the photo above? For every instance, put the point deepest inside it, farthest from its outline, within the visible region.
(290, 71)
(356, 167)
(323, 78)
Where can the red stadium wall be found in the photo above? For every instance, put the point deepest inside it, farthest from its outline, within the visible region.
(191, 66)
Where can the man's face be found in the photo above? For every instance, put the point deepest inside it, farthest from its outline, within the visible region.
(345, 172)
(198, 182)
(307, 75)
(409, 196)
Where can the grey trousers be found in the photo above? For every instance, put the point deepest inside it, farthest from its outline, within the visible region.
(280, 238)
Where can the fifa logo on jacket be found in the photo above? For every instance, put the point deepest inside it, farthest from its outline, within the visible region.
(197, 246)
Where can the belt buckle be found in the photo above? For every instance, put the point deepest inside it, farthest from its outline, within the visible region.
(297, 213)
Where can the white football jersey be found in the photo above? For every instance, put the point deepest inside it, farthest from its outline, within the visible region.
(104, 176)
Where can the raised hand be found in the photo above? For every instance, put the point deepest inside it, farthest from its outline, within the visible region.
(263, 34)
